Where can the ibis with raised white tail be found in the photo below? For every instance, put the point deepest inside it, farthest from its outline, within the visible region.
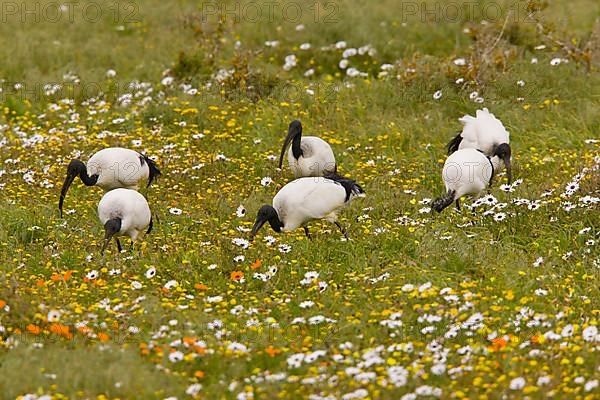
(308, 199)
(111, 168)
(483, 132)
(124, 212)
(308, 155)
(468, 172)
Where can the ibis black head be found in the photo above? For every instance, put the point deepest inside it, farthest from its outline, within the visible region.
(75, 168)
(266, 213)
(294, 135)
(503, 152)
(111, 228)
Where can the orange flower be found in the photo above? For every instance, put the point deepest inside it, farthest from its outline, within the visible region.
(200, 350)
(31, 328)
(199, 374)
(237, 276)
(62, 330)
(271, 351)
(2, 303)
(498, 343)
(201, 286)
(103, 337)
(40, 283)
(538, 338)
(84, 330)
(144, 349)
(256, 264)
(67, 275)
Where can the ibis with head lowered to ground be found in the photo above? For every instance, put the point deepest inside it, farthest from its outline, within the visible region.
(124, 212)
(109, 169)
(483, 132)
(308, 199)
(468, 172)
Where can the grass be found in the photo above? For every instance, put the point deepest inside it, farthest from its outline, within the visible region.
(455, 305)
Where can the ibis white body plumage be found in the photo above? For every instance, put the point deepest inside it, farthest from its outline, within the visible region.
(317, 158)
(124, 212)
(110, 169)
(117, 167)
(483, 132)
(308, 155)
(308, 199)
(466, 172)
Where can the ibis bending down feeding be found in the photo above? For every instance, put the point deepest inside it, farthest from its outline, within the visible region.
(124, 212)
(309, 155)
(109, 169)
(468, 171)
(483, 132)
(307, 199)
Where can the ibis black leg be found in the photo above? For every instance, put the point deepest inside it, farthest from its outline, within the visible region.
(458, 204)
(119, 245)
(306, 232)
(150, 226)
(342, 229)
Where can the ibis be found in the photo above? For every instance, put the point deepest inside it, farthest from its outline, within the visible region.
(468, 172)
(307, 199)
(308, 155)
(109, 169)
(483, 132)
(124, 212)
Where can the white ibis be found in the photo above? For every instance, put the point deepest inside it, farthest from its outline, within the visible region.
(483, 132)
(307, 199)
(111, 168)
(124, 212)
(468, 171)
(309, 155)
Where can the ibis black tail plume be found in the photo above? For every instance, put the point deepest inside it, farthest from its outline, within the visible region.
(442, 202)
(454, 143)
(153, 168)
(352, 188)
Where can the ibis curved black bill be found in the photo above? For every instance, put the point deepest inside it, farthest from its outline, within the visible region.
(294, 134)
(266, 213)
(257, 225)
(63, 193)
(508, 169)
(111, 227)
(75, 168)
(503, 152)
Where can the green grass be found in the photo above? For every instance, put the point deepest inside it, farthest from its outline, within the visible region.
(387, 132)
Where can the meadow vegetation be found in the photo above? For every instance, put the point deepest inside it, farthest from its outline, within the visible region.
(500, 300)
